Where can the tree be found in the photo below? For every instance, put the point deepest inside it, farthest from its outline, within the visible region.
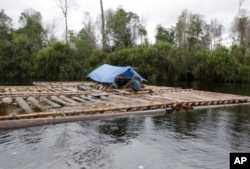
(165, 34)
(5, 44)
(215, 33)
(5, 28)
(222, 66)
(181, 29)
(123, 28)
(5, 31)
(241, 26)
(54, 63)
(84, 41)
(65, 6)
(50, 33)
(104, 42)
(32, 28)
(89, 28)
(195, 31)
(25, 41)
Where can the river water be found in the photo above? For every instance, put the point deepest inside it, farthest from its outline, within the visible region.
(183, 140)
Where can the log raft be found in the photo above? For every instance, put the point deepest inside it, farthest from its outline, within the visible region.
(66, 102)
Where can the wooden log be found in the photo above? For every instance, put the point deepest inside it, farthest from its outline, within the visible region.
(56, 99)
(35, 102)
(82, 87)
(87, 98)
(98, 95)
(90, 110)
(23, 104)
(67, 99)
(77, 112)
(51, 103)
(7, 100)
(78, 99)
(70, 89)
(10, 124)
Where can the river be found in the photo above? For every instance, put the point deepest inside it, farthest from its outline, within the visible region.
(183, 140)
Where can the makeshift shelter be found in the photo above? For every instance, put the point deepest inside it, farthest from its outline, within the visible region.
(108, 73)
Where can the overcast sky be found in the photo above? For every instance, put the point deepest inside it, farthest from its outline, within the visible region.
(164, 12)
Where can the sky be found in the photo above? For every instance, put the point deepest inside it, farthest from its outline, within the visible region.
(154, 12)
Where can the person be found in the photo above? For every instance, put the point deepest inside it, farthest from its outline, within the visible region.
(135, 85)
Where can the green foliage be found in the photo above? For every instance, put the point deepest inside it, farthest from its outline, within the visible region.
(189, 51)
(165, 35)
(222, 65)
(123, 28)
(156, 63)
(32, 28)
(201, 64)
(96, 59)
(6, 28)
(56, 63)
(5, 44)
(84, 43)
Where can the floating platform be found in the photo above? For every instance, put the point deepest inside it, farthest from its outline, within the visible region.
(51, 103)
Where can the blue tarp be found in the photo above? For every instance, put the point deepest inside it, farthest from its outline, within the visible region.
(107, 73)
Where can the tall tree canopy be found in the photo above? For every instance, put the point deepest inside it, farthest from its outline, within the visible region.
(165, 34)
(5, 26)
(123, 28)
(190, 30)
(32, 28)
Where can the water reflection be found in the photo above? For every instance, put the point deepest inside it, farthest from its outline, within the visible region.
(122, 129)
(238, 127)
(195, 139)
(234, 88)
(187, 123)
(5, 137)
(31, 136)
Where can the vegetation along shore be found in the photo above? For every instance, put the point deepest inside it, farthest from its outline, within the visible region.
(192, 49)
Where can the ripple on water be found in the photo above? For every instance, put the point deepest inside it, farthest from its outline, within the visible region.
(196, 139)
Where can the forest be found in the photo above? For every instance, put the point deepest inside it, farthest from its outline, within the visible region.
(191, 50)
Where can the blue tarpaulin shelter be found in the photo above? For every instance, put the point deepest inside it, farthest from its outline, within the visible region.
(107, 73)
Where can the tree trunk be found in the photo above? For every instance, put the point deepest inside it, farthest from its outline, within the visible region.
(66, 21)
(103, 28)
(66, 33)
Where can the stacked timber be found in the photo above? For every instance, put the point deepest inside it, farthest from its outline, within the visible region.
(68, 101)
